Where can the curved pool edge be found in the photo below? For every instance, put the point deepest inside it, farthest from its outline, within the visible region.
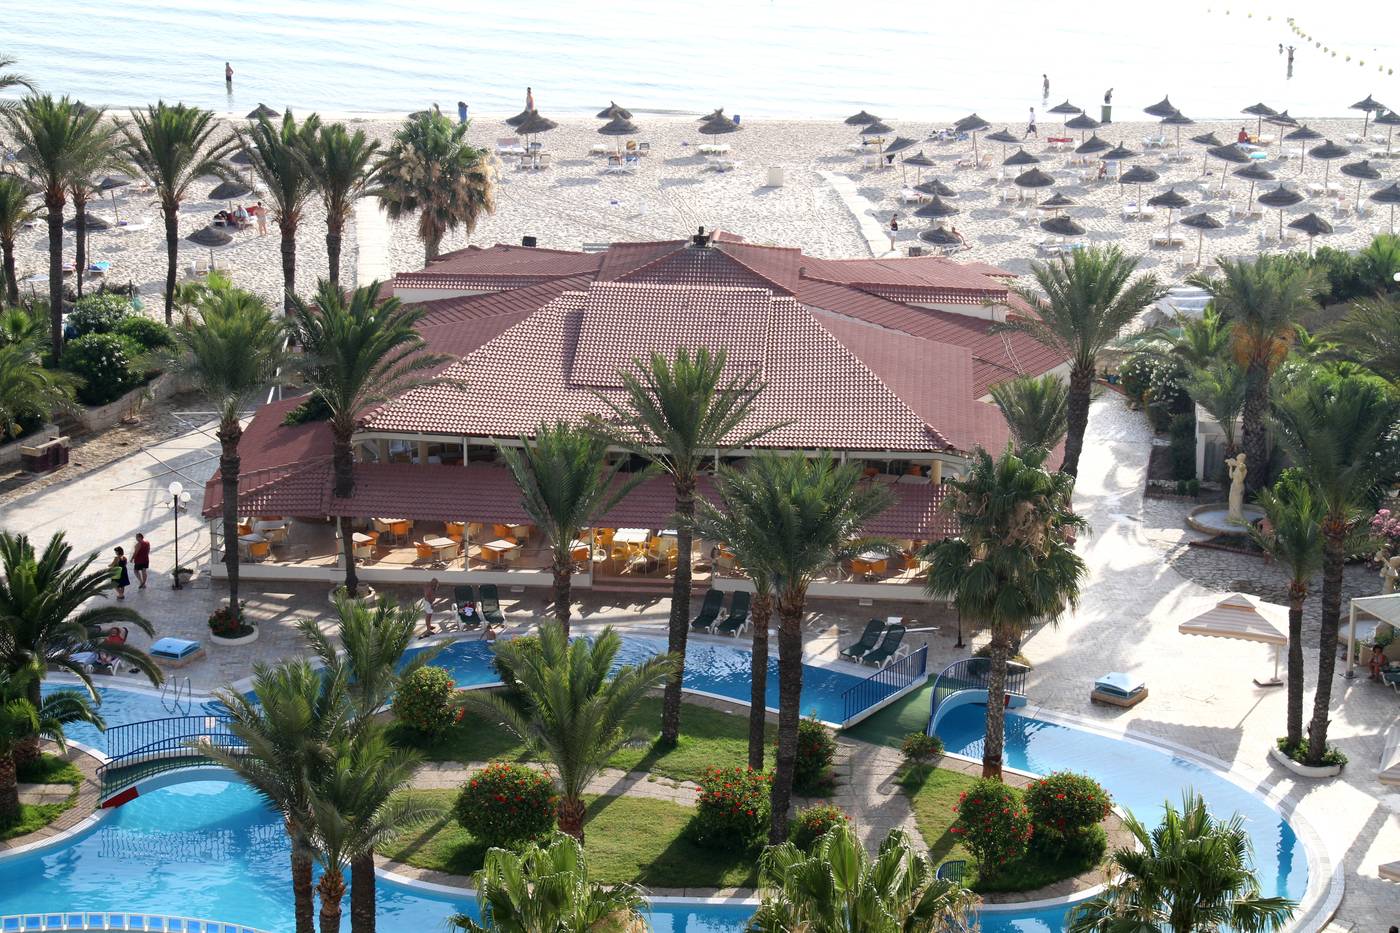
(390, 876)
(84, 826)
(1326, 880)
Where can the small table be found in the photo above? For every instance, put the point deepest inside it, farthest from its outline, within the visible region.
(441, 545)
(631, 536)
(497, 550)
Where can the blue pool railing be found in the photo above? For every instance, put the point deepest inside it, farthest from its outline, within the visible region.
(140, 751)
(971, 674)
(885, 682)
(116, 920)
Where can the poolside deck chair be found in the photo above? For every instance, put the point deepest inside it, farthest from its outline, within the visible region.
(738, 618)
(951, 871)
(868, 639)
(464, 598)
(491, 605)
(709, 611)
(887, 647)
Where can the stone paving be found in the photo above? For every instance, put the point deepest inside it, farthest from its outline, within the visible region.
(82, 808)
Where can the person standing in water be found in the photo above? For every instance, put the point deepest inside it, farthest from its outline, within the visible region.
(462, 112)
(530, 100)
(228, 73)
(1045, 87)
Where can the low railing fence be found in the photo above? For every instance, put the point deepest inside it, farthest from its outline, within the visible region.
(885, 682)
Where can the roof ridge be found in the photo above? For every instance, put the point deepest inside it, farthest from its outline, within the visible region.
(780, 287)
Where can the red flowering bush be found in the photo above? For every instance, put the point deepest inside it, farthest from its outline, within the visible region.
(1066, 809)
(732, 811)
(812, 823)
(993, 824)
(816, 748)
(506, 804)
(423, 702)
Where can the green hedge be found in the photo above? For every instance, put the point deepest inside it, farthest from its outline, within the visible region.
(108, 364)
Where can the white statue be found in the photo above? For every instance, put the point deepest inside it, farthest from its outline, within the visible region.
(1390, 573)
(1238, 469)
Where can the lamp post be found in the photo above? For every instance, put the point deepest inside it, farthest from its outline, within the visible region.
(178, 500)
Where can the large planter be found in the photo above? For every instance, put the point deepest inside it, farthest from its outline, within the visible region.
(235, 641)
(364, 592)
(1302, 770)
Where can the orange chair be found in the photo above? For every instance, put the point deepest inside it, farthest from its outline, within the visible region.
(423, 551)
(260, 550)
(501, 531)
(245, 528)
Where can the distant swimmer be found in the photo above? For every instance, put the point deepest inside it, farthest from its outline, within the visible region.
(1108, 96)
(1045, 86)
(530, 100)
(228, 73)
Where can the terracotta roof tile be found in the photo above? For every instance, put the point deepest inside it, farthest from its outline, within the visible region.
(915, 272)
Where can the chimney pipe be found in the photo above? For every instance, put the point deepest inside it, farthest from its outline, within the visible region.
(701, 240)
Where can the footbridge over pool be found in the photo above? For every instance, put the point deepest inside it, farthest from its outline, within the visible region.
(965, 681)
(157, 753)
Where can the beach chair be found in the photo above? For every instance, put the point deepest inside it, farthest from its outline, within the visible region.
(464, 599)
(738, 618)
(709, 611)
(880, 655)
(868, 639)
(951, 871)
(491, 605)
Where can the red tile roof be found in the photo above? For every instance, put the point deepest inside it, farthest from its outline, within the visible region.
(500, 267)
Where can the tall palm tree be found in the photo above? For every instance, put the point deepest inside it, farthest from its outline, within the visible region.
(14, 211)
(23, 721)
(278, 155)
(357, 351)
(11, 79)
(1261, 299)
(565, 484)
(232, 349)
(101, 155)
(548, 888)
(173, 146)
(1082, 302)
(1292, 537)
(1035, 408)
(1011, 564)
(1194, 342)
(1339, 432)
(58, 134)
(1369, 334)
(1219, 387)
(290, 731)
(839, 888)
(430, 170)
(342, 168)
(1191, 874)
(678, 414)
(575, 706)
(44, 605)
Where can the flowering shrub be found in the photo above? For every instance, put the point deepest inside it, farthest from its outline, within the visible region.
(148, 333)
(423, 702)
(993, 824)
(100, 313)
(1386, 525)
(816, 747)
(920, 748)
(506, 804)
(732, 810)
(1065, 808)
(106, 363)
(812, 823)
(226, 623)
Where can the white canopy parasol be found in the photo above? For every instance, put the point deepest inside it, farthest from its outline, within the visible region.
(1244, 617)
(1390, 755)
(1386, 608)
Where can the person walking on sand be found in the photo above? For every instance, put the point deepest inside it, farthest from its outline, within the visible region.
(261, 213)
(530, 99)
(228, 73)
(894, 230)
(1030, 126)
(141, 559)
(123, 578)
(462, 112)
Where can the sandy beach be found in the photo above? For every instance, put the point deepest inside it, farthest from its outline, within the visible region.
(673, 191)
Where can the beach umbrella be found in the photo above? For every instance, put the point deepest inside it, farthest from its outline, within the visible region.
(919, 161)
(241, 157)
(872, 129)
(1388, 195)
(1062, 226)
(1281, 119)
(1303, 134)
(1327, 152)
(1278, 199)
(1083, 123)
(859, 119)
(1368, 105)
(721, 127)
(1390, 120)
(1210, 141)
(1162, 108)
(90, 223)
(228, 190)
(1003, 136)
(211, 238)
(937, 207)
(1202, 222)
(260, 111)
(1255, 173)
(1094, 144)
(612, 110)
(1232, 154)
(1056, 202)
(1021, 157)
(1034, 178)
(1361, 171)
(1118, 155)
(1138, 175)
(535, 124)
(1313, 226)
(621, 126)
(1065, 109)
(1177, 120)
(939, 236)
(935, 187)
(972, 124)
(899, 145)
(1172, 201)
(111, 184)
(1260, 110)
(519, 118)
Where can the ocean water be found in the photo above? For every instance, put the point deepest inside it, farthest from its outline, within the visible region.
(758, 58)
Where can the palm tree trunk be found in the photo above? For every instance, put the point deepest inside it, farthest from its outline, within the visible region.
(762, 615)
(9, 790)
(230, 431)
(563, 585)
(55, 206)
(680, 611)
(171, 211)
(80, 239)
(332, 889)
(1255, 440)
(571, 813)
(347, 549)
(289, 263)
(1333, 563)
(1081, 382)
(790, 611)
(995, 739)
(7, 251)
(431, 244)
(334, 228)
(362, 897)
(303, 900)
(1296, 596)
(343, 463)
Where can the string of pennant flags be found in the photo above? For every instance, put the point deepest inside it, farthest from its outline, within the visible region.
(1317, 43)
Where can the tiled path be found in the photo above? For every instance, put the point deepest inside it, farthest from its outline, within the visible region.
(82, 808)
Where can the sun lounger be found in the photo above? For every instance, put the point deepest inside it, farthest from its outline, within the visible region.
(491, 605)
(881, 654)
(464, 604)
(709, 611)
(738, 618)
(867, 641)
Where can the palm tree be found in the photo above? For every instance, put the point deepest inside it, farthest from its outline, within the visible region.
(173, 146)
(101, 154)
(1262, 300)
(278, 155)
(1292, 537)
(1338, 431)
(429, 169)
(1083, 302)
(1379, 261)
(23, 721)
(342, 169)
(547, 888)
(357, 351)
(1369, 334)
(1192, 874)
(232, 350)
(678, 414)
(1011, 564)
(574, 707)
(28, 389)
(1036, 409)
(290, 733)
(565, 484)
(839, 888)
(47, 622)
(11, 79)
(14, 211)
(58, 134)
(1219, 387)
(1195, 342)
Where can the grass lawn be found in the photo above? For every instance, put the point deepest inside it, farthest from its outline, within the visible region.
(890, 725)
(629, 839)
(708, 738)
(49, 769)
(933, 800)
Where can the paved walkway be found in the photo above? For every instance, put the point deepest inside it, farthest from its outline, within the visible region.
(83, 807)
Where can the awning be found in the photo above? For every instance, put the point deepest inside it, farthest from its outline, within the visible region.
(1386, 608)
(1390, 755)
(1239, 615)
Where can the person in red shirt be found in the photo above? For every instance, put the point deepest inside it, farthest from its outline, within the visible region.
(141, 559)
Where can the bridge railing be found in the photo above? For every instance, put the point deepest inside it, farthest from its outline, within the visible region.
(153, 736)
(972, 674)
(116, 920)
(885, 682)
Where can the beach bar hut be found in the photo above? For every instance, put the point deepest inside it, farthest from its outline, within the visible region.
(1244, 617)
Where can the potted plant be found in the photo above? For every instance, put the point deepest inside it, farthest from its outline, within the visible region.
(184, 574)
(229, 628)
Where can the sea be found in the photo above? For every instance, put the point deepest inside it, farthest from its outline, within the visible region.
(806, 59)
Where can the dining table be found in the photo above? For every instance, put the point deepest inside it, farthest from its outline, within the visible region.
(442, 547)
(498, 550)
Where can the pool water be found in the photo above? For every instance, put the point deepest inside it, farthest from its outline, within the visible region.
(118, 707)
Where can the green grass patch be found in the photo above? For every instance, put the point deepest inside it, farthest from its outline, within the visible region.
(47, 769)
(708, 738)
(890, 725)
(628, 839)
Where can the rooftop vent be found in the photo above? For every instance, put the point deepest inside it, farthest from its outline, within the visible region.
(701, 240)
